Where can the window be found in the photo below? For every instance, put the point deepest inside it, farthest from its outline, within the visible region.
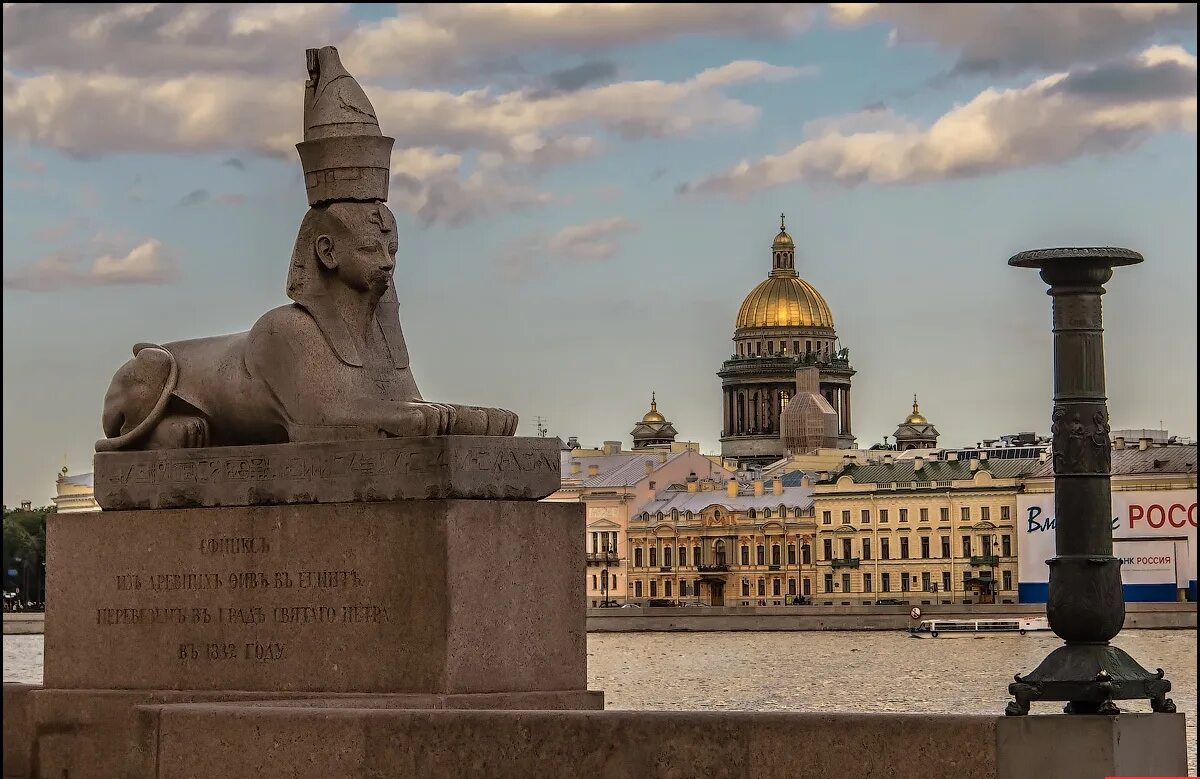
(637, 557)
(885, 582)
(807, 347)
(683, 589)
(925, 581)
(770, 347)
(924, 515)
(985, 513)
(745, 555)
(595, 548)
(845, 517)
(845, 582)
(966, 546)
(776, 587)
(826, 517)
(792, 556)
(946, 581)
(904, 582)
(1006, 545)
(761, 555)
(965, 511)
(1004, 517)
(674, 515)
(867, 582)
(1007, 580)
(866, 549)
(904, 548)
(828, 582)
(667, 557)
(903, 515)
(883, 515)
(966, 578)
(766, 513)
(775, 554)
(944, 513)
(682, 557)
(613, 581)
(806, 554)
(846, 553)
(667, 585)
(753, 514)
(745, 588)
(719, 551)
(594, 585)
(985, 543)
(945, 546)
(696, 558)
(828, 548)
(653, 556)
(762, 587)
(924, 547)
(808, 587)
(884, 552)
(637, 589)
(653, 589)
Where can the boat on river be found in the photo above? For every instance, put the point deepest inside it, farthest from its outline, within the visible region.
(948, 628)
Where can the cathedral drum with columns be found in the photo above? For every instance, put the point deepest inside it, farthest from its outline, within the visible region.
(784, 325)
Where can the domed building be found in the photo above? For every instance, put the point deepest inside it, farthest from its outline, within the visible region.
(915, 432)
(782, 326)
(654, 431)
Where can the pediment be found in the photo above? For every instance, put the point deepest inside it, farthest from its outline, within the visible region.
(603, 524)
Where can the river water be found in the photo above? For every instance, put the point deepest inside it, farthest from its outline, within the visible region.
(817, 671)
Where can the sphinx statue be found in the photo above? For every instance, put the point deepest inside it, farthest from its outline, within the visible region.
(333, 364)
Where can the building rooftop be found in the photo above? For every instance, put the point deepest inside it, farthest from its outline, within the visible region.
(681, 500)
(903, 470)
(621, 469)
(1173, 458)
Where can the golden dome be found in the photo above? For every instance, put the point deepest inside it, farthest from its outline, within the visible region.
(915, 417)
(783, 241)
(784, 301)
(652, 415)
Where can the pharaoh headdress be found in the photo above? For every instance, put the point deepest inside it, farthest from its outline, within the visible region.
(346, 159)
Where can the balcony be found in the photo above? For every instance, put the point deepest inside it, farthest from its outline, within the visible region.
(773, 567)
(665, 569)
(845, 562)
(603, 558)
(715, 568)
(986, 559)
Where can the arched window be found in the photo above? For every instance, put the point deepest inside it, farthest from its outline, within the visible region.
(688, 516)
(719, 552)
(753, 514)
(674, 515)
(766, 513)
(717, 514)
(659, 516)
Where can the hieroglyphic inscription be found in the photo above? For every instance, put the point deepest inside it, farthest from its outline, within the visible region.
(180, 469)
(249, 596)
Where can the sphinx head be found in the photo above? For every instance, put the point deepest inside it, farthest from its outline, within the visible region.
(347, 243)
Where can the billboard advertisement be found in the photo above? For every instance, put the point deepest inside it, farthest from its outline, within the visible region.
(1154, 534)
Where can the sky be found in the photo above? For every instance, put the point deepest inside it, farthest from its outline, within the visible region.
(586, 192)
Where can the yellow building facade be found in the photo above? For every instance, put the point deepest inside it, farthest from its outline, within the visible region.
(918, 530)
(722, 544)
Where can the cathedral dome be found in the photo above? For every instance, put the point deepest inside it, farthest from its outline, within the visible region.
(783, 241)
(784, 301)
(653, 415)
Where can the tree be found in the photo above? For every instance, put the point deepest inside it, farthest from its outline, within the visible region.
(25, 551)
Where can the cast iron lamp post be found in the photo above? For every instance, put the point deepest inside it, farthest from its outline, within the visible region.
(1085, 604)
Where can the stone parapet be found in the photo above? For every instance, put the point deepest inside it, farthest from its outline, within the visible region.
(372, 470)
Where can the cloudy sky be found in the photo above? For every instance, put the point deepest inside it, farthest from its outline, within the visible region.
(587, 192)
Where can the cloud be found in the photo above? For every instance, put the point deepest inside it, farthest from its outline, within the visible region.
(580, 76)
(235, 163)
(147, 263)
(1053, 120)
(528, 255)
(1010, 38)
(57, 232)
(489, 145)
(194, 198)
(447, 41)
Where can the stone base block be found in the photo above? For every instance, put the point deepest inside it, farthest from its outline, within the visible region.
(439, 596)
(106, 733)
(219, 740)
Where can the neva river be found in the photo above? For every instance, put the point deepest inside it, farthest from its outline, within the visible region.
(817, 671)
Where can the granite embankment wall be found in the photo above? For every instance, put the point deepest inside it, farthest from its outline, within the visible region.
(1138, 616)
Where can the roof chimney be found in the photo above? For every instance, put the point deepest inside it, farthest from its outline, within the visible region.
(983, 455)
(573, 442)
(1119, 442)
(805, 481)
(693, 485)
(759, 488)
(731, 489)
(822, 475)
(649, 467)
(952, 457)
(887, 459)
(612, 447)
(777, 486)
(1143, 444)
(918, 463)
(593, 471)
(974, 463)
(1043, 457)
(576, 467)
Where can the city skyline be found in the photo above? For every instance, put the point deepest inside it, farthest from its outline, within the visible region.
(586, 195)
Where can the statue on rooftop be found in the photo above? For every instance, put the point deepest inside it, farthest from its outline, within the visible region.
(332, 365)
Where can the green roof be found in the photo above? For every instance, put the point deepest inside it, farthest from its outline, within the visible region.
(934, 470)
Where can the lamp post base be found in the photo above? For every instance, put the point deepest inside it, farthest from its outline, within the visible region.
(1089, 676)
